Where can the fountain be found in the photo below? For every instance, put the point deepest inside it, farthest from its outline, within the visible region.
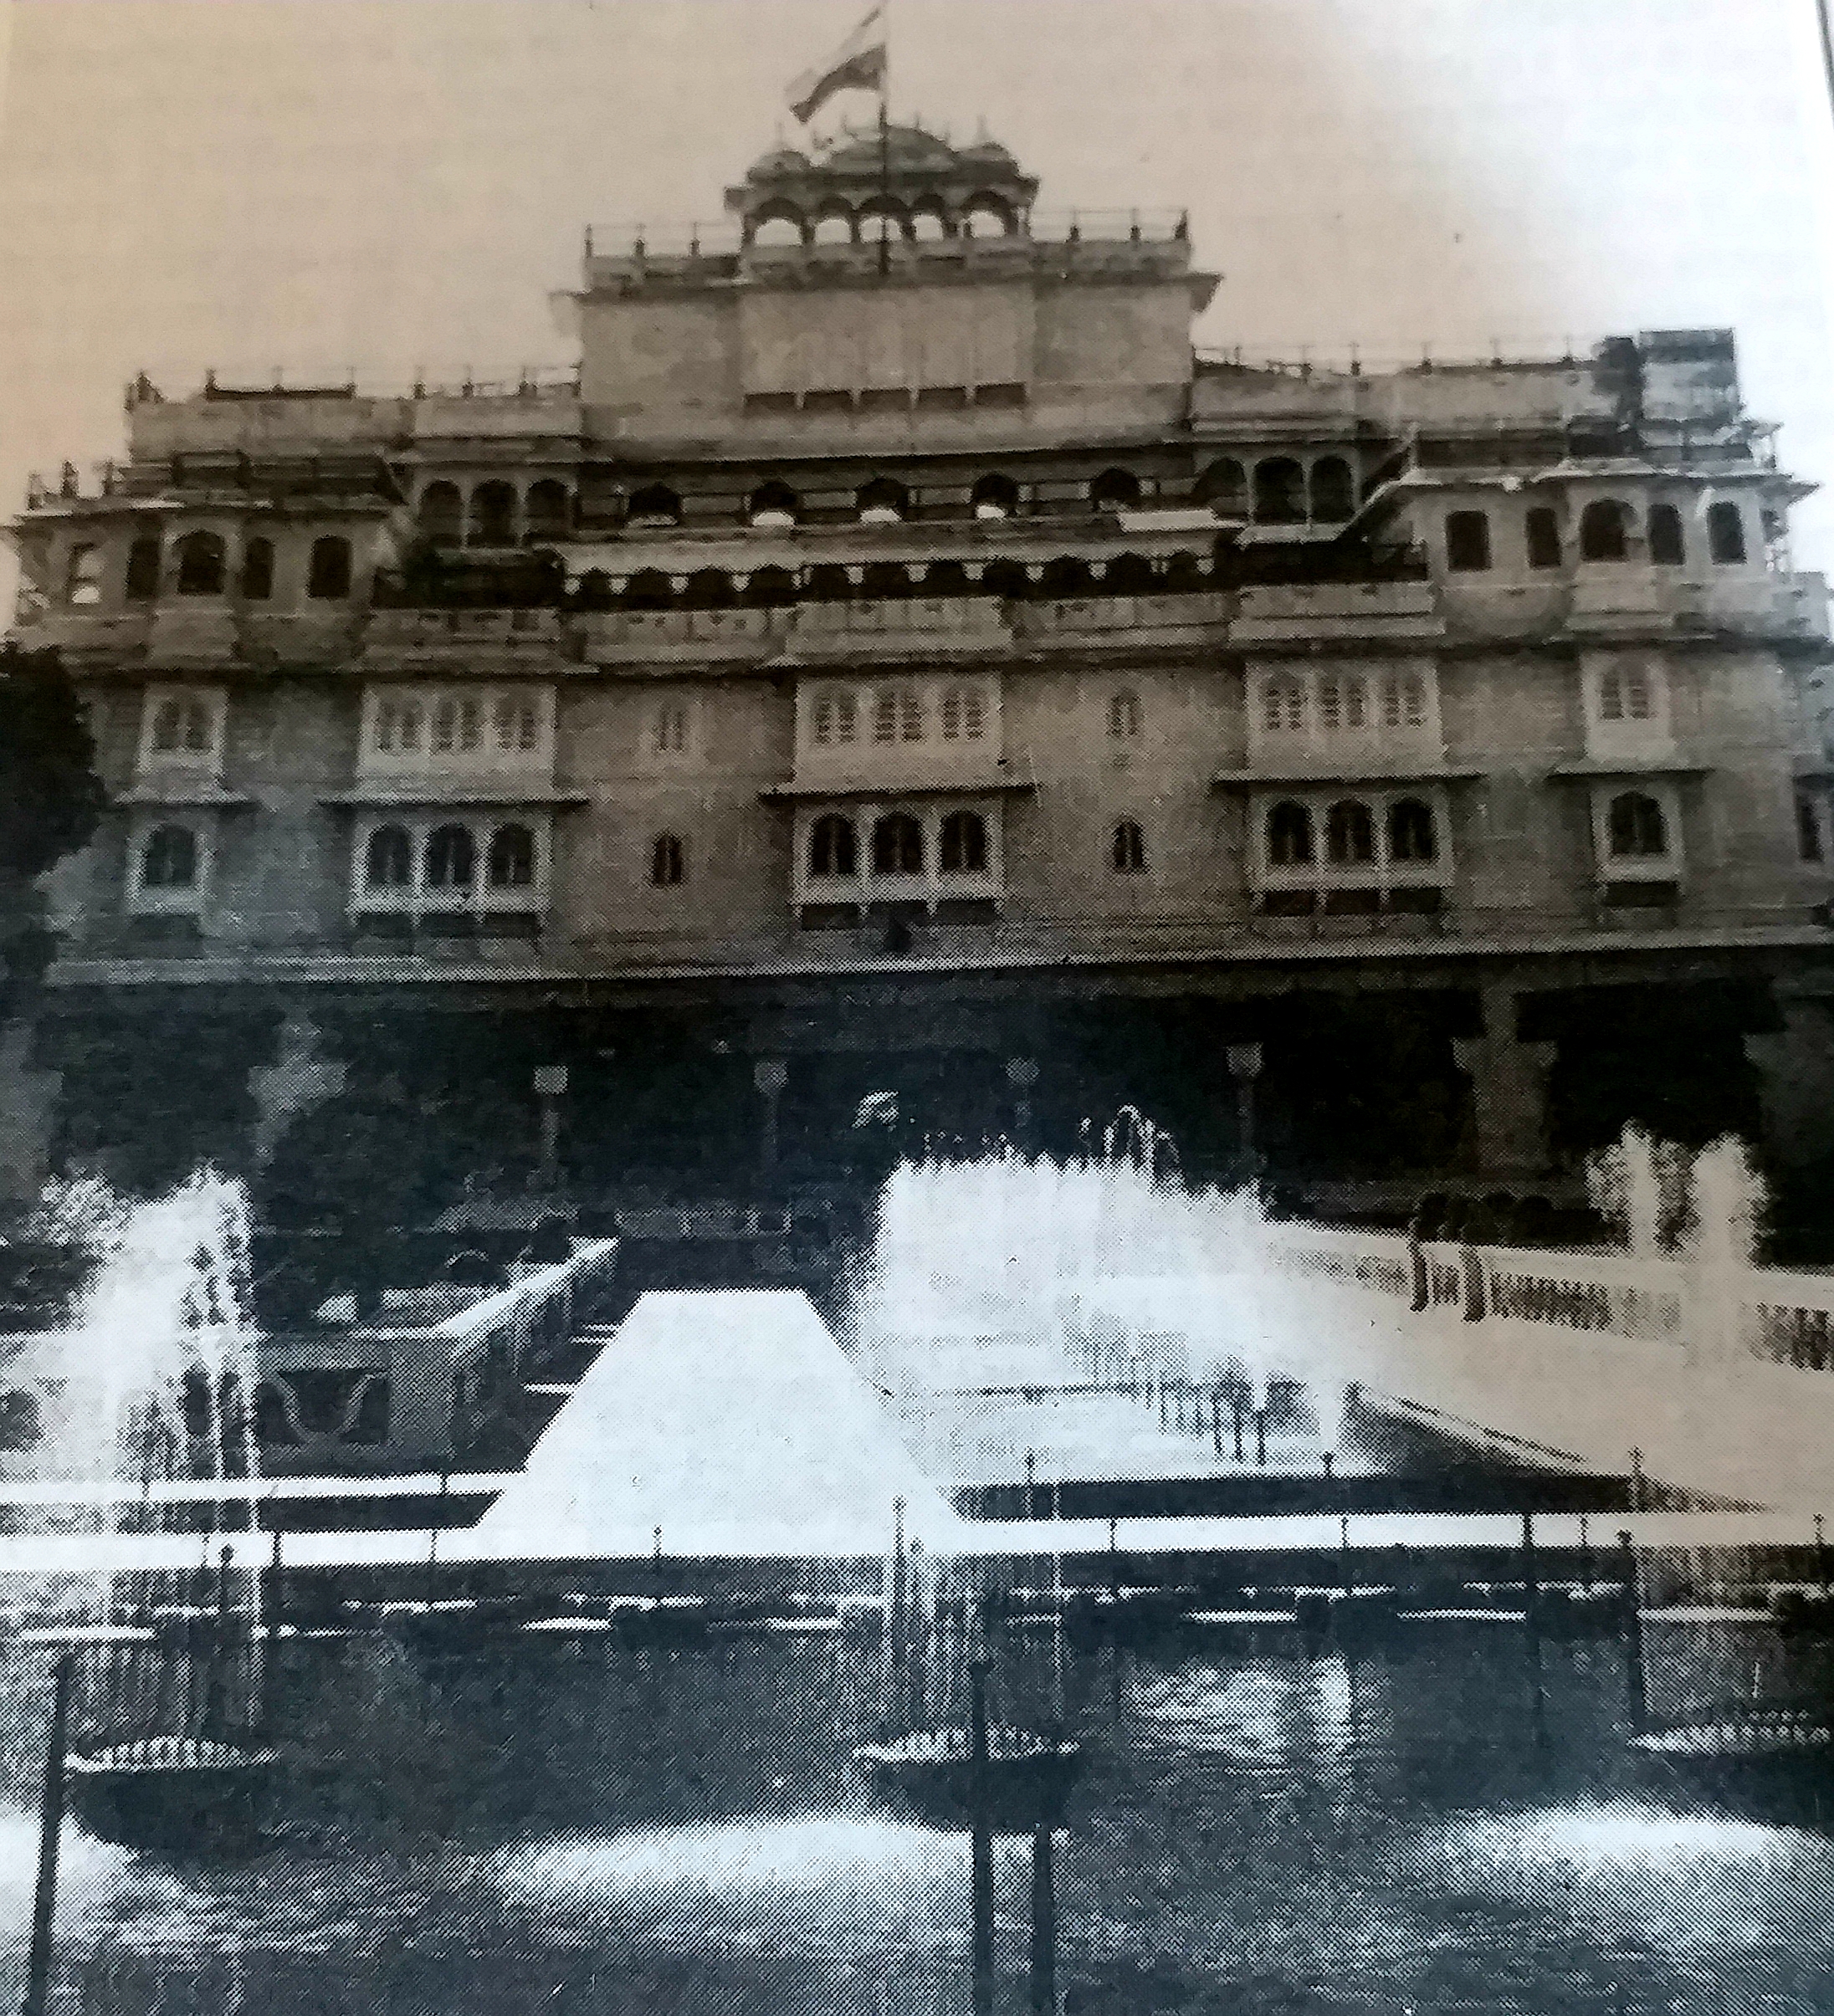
(150, 1386)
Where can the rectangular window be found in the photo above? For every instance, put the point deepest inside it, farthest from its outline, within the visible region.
(974, 715)
(846, 721)
(385, 726)
(1468, 542)
(1543, 532)
(1390, 703)
(952, 716)
(1330, 705)
(1355, 710)
(911, 716)
(1414, 700)
(468, 726)
(822, 728)
(885, 717)
(445, 727)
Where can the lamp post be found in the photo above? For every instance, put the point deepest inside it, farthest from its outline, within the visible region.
(1244, 1061)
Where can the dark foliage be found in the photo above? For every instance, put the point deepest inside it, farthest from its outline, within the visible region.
(50, 796)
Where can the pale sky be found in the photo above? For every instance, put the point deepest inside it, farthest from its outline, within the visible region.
(396, 184)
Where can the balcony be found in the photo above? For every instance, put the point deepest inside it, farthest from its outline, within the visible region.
(411, 640)
(1628, 600)
(1351, 610)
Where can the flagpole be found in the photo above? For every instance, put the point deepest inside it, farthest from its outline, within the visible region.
(885, 147)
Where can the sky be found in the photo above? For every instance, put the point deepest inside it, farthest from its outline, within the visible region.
(395, 185)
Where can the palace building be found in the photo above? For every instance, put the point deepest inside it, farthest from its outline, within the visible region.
(899, 689)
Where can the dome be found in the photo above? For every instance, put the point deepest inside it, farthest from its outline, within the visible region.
(984, 149)
(780, 160)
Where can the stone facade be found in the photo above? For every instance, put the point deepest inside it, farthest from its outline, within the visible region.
(900, 655)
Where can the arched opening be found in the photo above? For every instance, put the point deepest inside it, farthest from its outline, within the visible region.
(828, 581)
(885, 581)
(1184, 574)
(1412, 835)
(1541, 527)
(83, 577)
(549, 512)
(708, 588)
(328, 579)
(1468, 541)
(962, 844)
(1224, 487)
(1066, 579)
(834, 226)
(986, 216)
(493, 514)
(1114, 490)
(1725, 534)
(994, 496)
(258, 570)
(1334, 490)
(450, 860)
(777, 226)
(898, 845)
(511, 864)
(668, 861)
(832, 849)
(143, 567)
(169, 860)
(1279, 492)
(1289, 835)
(201, 564)
(882, 502)
(946, 577)
(1006, 579)
(929, 220)
(593, 591)
(882, 216)
(1636, 827)
(1127, 848)
(773, 504)
(648, 588)
(651, 508)
(770, 588)
(1130, 574)
(1604, 530)
(388, 862)
(1350, 835)
(441, 514)
(1668, 543)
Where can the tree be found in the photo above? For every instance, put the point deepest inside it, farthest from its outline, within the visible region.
(50, 796)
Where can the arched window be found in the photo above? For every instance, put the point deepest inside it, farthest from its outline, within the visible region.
(1350, 835)
(834, 226)
(929, 221)
(1289, 835)
(827, 582)
(329, 578)
(451, 858)
(668, 861)
(143, 567)
(1468, 541)
(1725, 534)
(1123, 717)
(1279, 492)
(648, 588)
(549, 512)
(1066, 579)
(962, 844)
(1604, 530)
(994, 496)
(832, 846)
(83, 577)
(1334, 490)
(1412, 835)
(258, 570)
(654, 505)
(169, 860)
(511, 861)
(493, 514)
(201, 564)
(1130, 574)
(985, 216)
(898, 845)
(881, 217)
(1667, 546)
(1184, 574)
(1541, 527)
(708, 588)
(773, 504)
(770, 588)
(1224, 487)
(1114, 490)
(1127, 848)
(1006, 579)
(885, 581)
(776, 226)
(441, 514)
(389, 861)
(1636, 826)
(946, 577)
(882, 502)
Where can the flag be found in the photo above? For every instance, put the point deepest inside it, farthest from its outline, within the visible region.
(858, 65)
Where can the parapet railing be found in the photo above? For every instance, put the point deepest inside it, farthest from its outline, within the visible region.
(1767, 1314)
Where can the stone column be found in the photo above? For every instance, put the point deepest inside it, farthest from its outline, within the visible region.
(28, 1113)
(551, 1088)
(770, 1075)
(1244, 1060)
(300, 1078)
(1509, 1085)
(1795, 1082)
